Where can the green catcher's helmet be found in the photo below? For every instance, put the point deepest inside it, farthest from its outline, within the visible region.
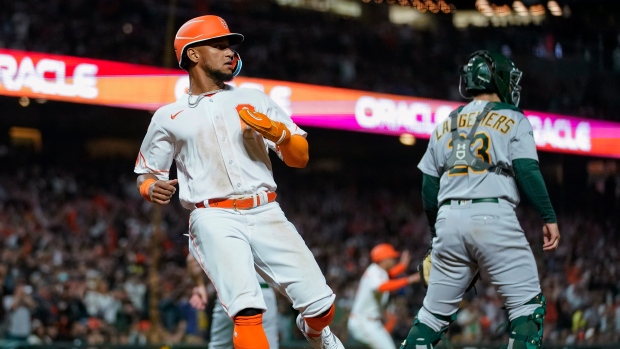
(491, 72)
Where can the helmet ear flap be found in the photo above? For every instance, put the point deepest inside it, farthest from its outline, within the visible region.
(237, 63)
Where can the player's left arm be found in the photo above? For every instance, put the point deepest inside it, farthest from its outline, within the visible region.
(530, 180)
(295, 150)
(284, 136)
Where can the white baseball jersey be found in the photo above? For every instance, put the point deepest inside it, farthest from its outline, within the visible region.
(505, 134)
(369, 302)
(216, 154)
(219, 156)
(365, 323)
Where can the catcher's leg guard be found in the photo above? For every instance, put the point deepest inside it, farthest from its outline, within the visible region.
(422, 336)
(526, 332)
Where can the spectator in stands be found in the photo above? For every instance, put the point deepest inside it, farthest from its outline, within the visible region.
(19, 307)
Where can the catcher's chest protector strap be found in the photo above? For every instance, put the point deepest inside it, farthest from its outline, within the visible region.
(461, 147)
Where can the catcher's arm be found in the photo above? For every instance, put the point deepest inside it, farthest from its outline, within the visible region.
(395, 284)
(430, 191)
(532, 184)
(294, 148)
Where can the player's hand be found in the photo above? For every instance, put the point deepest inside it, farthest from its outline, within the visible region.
(199, 297)
(413, 278)
(161, 191)
(405, 258)
(259, 122)
(551, 236)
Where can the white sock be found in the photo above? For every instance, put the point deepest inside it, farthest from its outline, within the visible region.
(431, 321)
(310, 331)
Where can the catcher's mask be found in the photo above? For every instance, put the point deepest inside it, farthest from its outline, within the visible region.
(205, 28)
(490, 72)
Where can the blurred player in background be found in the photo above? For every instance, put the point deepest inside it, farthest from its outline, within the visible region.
(219, 137)
(471, 169)
(221, 325)
(365, 321)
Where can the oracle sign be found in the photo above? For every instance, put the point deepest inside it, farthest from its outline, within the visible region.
(421, 117)
(48, 76)
(417, 117)
(81, 80)
(561, 133)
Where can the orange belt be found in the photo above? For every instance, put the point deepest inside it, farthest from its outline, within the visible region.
(245, 203)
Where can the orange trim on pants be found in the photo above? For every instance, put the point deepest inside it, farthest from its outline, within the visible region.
(319, 323)
(249, 333)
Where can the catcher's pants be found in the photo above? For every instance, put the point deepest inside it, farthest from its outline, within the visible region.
(231, 246)
(370, 332)
(482, 235)
(222, 326)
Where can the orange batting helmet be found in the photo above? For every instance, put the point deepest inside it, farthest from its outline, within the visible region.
(201, 29)
(383, 251)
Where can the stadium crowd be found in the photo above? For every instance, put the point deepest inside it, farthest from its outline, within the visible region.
(571, 64)
(77, 244)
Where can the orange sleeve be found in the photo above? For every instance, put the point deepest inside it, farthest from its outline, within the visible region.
(295, 151)
(390, 321)
(393, 285)
(397, 270)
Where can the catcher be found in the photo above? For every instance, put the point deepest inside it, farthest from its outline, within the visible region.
(474, 162)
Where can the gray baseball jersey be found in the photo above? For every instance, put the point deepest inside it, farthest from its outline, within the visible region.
(504, 135)
(485, 236)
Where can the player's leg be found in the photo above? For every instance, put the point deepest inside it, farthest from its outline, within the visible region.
(282, 258)
(222, 327)
(372, 333)
(451, 272)
(270, 317)
(505, 254)
(220, 244)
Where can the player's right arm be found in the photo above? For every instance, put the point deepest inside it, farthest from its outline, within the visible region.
(153, 164)
(154, 190)
(430, 183)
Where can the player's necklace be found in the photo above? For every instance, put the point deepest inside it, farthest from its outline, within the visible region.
(199, 98)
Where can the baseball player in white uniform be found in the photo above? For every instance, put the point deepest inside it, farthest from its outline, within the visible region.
(365, 321)
(471, 169)
(219, 137)
(222, 327)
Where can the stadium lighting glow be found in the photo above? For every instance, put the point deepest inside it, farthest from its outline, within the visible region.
(484, 8)
(519, 8)
(554, 8)
(24, 101)
(407, 139)
(502, 11)
(537, 10)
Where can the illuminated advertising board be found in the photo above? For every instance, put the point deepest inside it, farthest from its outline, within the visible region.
(81, 80)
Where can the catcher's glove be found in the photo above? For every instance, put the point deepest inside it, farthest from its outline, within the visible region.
(425, 267)
(425, 271)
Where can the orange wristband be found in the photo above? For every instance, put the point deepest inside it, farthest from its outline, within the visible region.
(144, 188)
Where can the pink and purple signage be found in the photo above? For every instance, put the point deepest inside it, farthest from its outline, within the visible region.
(101, 82)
